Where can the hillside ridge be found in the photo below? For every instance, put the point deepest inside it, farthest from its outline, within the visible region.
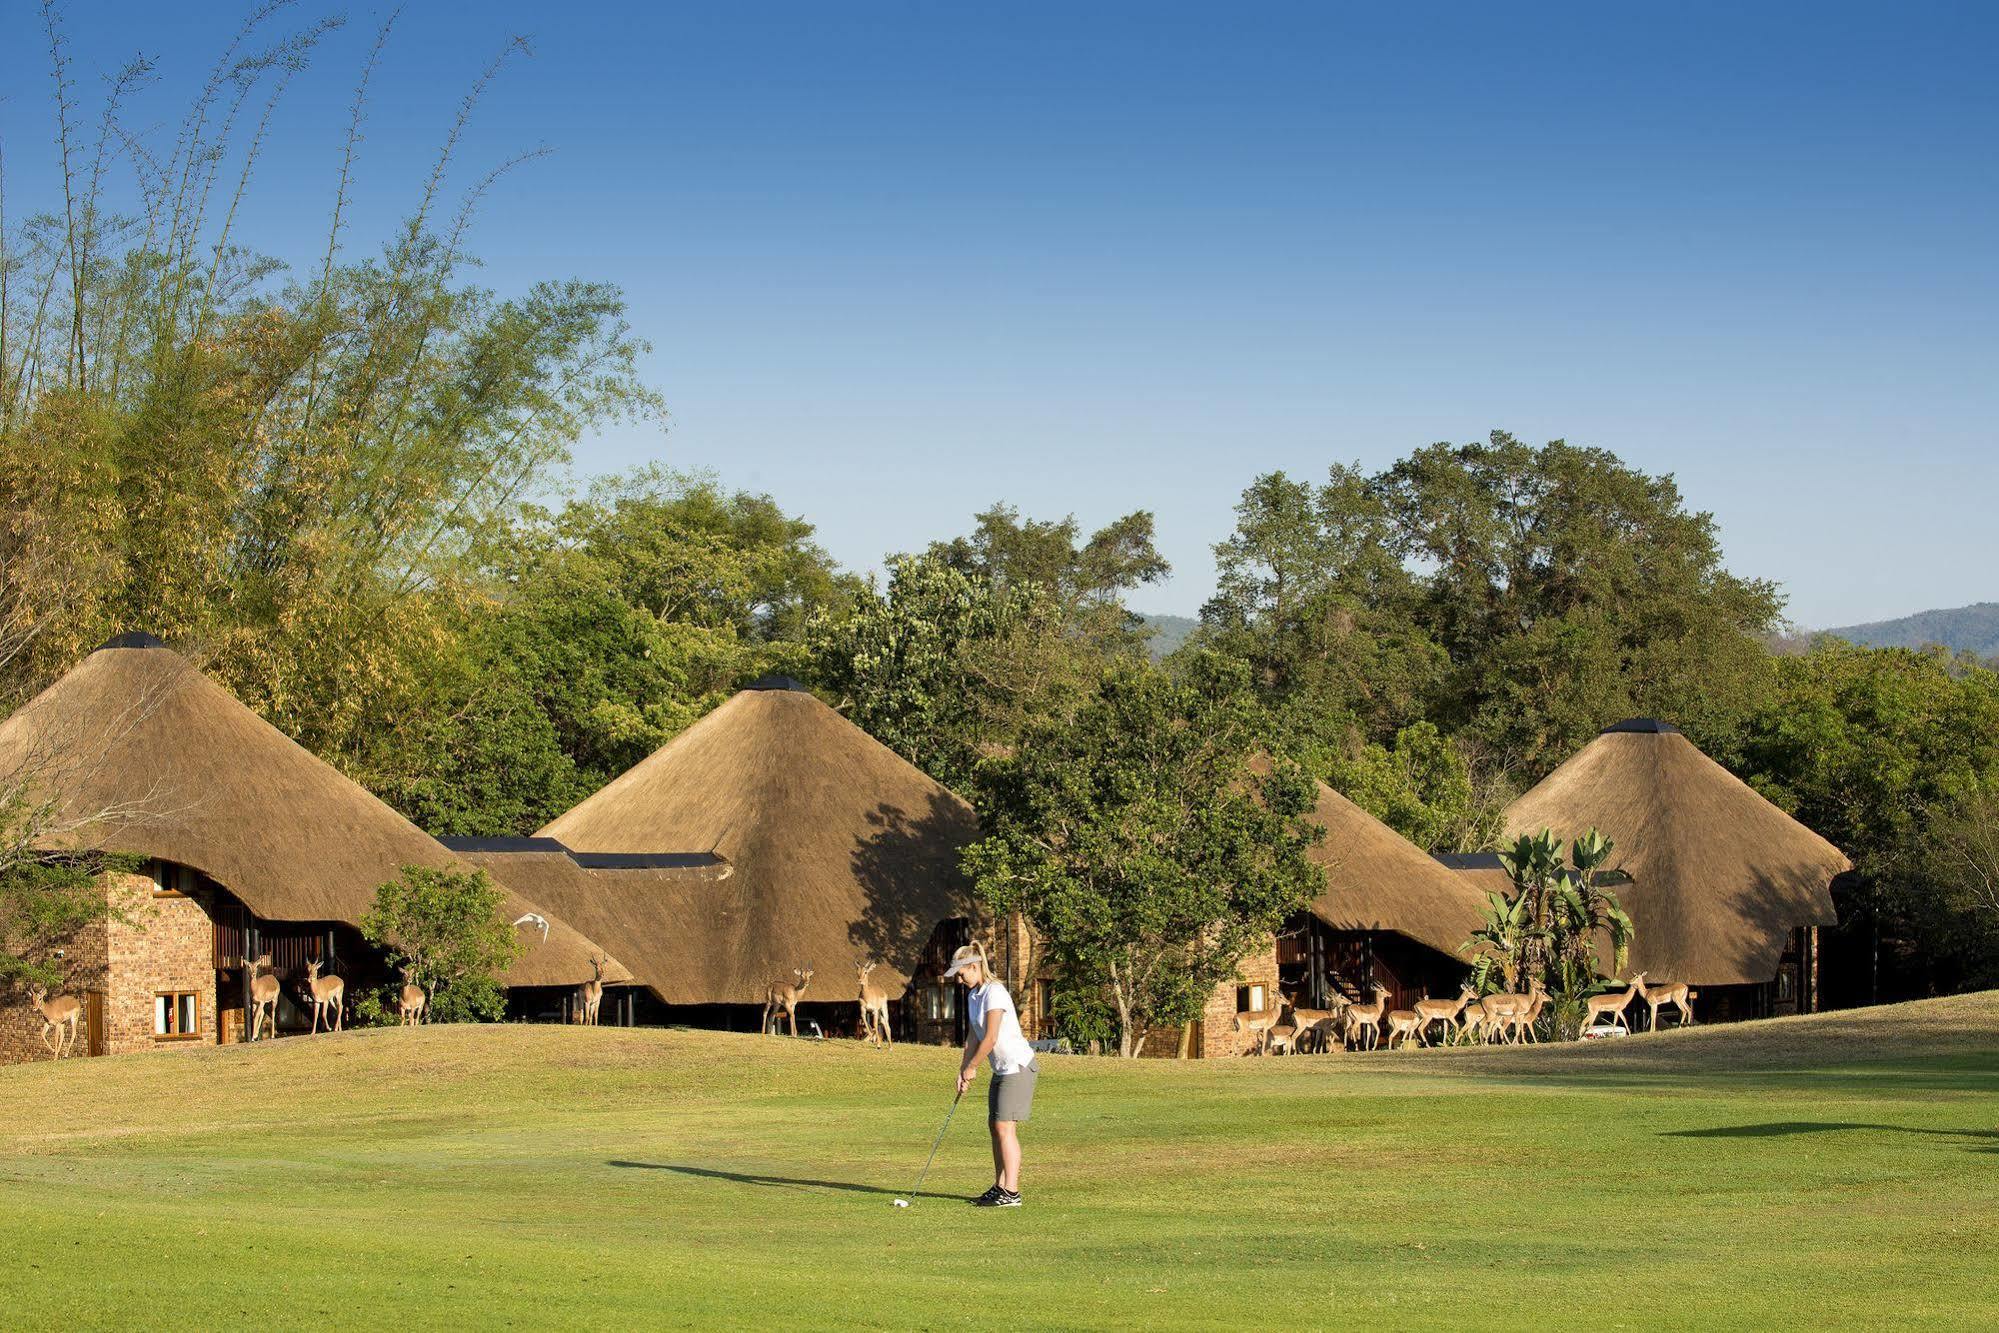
(1961, 629)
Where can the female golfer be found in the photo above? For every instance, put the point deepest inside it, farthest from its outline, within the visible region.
(992, 1031)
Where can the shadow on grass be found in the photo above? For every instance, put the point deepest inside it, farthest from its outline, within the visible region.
(1776, 1129)
(1967, 1075)
(772, 1182)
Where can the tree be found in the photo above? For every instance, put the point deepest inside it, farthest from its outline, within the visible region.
(445, 929)
(978, 638)
(1520, 597)
(1960, 860)
(1547, 929)
(1087, 579)
(914, 664)
(1571, 590)
(1311, 591)
(285, 468)
(609, 626)
(1137, 839)
(1423, 786)
(1882, 751)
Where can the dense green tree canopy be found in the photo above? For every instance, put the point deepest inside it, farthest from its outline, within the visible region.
(1893, 755)
(1525, 597)
(972, 642)
(1135, 837)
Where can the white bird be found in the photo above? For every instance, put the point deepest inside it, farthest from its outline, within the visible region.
(534, 919)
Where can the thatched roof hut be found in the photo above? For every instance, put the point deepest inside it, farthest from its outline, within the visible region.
(840, 849)
(191, 775)
(1719, 876)
(1377, 880)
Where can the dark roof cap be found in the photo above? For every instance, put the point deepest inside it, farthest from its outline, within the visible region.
(1650, 725)
(461, 844)
(587, 860)
(775, 682)
(131, 639)
(645, 860)
(1470, 860)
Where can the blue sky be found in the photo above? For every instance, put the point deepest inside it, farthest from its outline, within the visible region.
(899, 261)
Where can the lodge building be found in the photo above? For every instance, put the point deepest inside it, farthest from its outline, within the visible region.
(1725, 891)
(774, 835)
(245, 844)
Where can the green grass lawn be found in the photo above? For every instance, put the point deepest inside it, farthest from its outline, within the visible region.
(1836, 1170)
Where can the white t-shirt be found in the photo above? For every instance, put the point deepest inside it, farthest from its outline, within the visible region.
(1011, 1053)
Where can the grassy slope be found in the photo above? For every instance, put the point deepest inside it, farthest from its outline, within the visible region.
(1842, 1166)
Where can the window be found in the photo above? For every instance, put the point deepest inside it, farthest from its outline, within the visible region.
(172, 881)
(940, 1004)
(1248, 999)
(176, 1016)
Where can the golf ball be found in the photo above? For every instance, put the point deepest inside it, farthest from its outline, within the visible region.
(902, 1203)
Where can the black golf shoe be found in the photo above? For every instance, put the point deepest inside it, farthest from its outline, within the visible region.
(997, 1198)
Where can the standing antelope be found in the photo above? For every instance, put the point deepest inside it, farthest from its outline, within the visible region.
(1314, 1026)
(1500, 1008)
(1405, 1023)
(1257, 1023)
(62, 1011)
(326, 992)
(1282, 1039)
(414, 1001)
(1524, 1020)
(1367, 1018)
(592, 993)
(1446, 1012)
(1675, 993)
(875, 1024)
(783, 998)
(263, 997)
(1614, 1004)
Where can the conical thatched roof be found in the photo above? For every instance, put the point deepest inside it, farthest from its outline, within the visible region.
(840, 849)
(196, 777)
(1719, 875)
(1376, 879)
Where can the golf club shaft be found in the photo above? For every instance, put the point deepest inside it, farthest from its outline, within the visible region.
(934, 1143)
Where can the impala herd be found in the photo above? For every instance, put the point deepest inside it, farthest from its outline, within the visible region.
(1284, 1028)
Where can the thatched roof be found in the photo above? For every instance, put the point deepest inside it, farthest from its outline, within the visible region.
(1719, 875)
(1376, 879)
(195, 777)
(840, 849)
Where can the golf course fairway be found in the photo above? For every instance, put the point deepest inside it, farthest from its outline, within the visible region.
(1836, 1170)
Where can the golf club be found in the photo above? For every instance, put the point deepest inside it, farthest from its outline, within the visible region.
(904, 1203)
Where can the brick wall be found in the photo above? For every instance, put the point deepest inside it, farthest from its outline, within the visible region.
(161, 944)
(1218, 1035)
(158, 944)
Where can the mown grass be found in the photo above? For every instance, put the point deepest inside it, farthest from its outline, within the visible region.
(1838, 1170)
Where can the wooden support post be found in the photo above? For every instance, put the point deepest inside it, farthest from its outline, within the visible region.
(1811, 970)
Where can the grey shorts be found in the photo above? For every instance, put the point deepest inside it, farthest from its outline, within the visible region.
(1011, 1096)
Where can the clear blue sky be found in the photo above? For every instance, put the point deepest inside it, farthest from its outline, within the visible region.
(898, 261)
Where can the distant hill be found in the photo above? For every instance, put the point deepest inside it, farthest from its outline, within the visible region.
(1169, 632)
(1964, 629)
